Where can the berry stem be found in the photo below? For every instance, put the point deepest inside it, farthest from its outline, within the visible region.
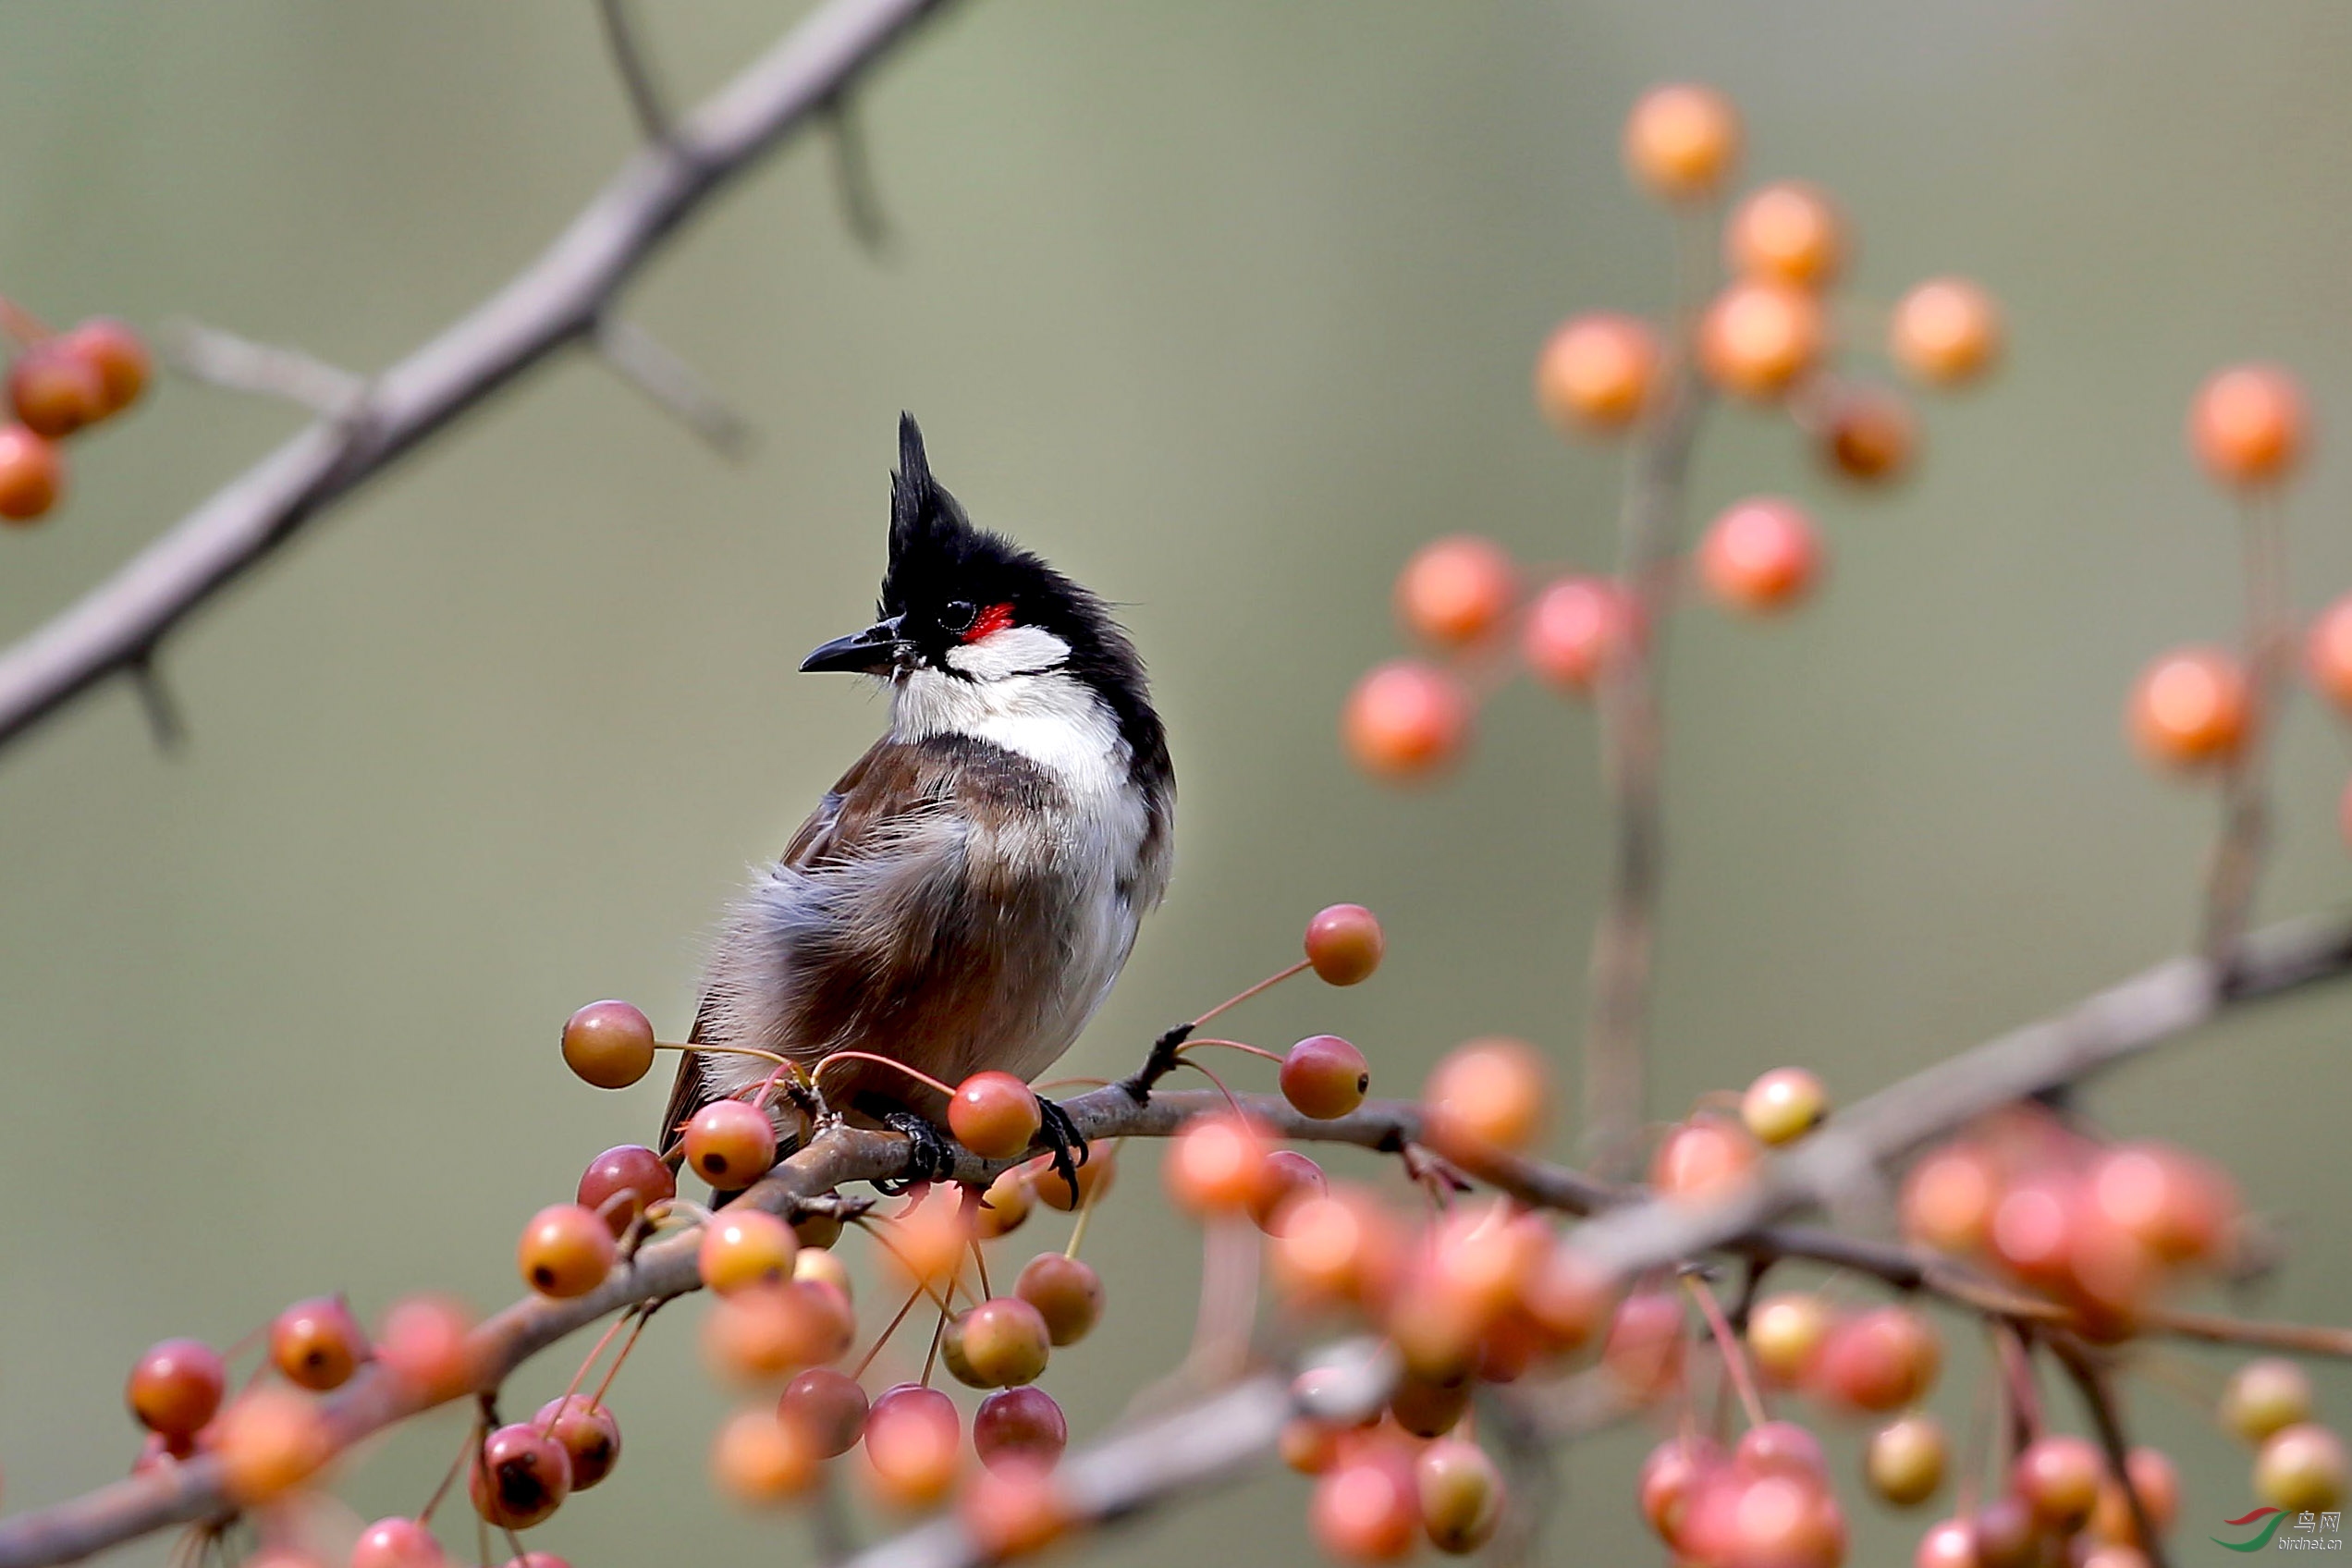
(466, 1451)
(817, 1076)
(1734, 1358)
(884, 1337)
(586, 1364)
(1086, 1209)
(1188, 1061)
(980, 1261)
(1238, 997)
(872, 1225)
(696, 1047)
(1231, 1044)
(621, 1356)
(931, 1358)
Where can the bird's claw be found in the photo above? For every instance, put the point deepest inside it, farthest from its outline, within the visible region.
(929, 1154)
(1061, 1134)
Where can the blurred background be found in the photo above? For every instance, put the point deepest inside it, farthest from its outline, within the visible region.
(1225, 307)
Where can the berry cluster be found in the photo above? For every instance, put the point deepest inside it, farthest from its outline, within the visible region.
(1765, 338)
(60, 383)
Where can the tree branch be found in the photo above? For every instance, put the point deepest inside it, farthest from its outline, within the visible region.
(555, 302)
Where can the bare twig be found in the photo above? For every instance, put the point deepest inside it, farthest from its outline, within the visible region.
(264, 369)
(2236, 864)
(556, 301)
(165, 725)
(2090, 1380)
(670, 383)
(635, 68)
(853, 182)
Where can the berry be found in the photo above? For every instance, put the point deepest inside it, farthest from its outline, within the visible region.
(1005, 1205)
(1785, 233)
(1475, 1267)
(1344, 944)
(731, 1144)
(1019, 1423)
(829, 1406)
(743, 1247)
(2008, 1535)
(1879, 1360)
(608, 1044)
(2191, 707)
(424, 1342)
(1597, 373)
(1308, 1446)
(1644, 1345)
(1005, 1342)
(1951, 1543)
(1459, 1495)
(2248, 424)
(1406, 719)
(1215, 1166)
(2158, 1484)
(994, 1115)
(1339, 1247)
(1067, 1293)
(1760, 554)
(2327, 652)
(1867, 434)
(1013, 1510)
(1945, 332)
(1705, 1158)
(2058, 1477)
(1325, 1077)
(1779, 1448)
(768, 1331)
(1366, 1509)
(396, 1542)
(1287, 1174)
(2300, 1467)
(588, 1433)
(817, 1265)
(1904, 1460)
(1949, 1198)
(31, 474)
(1489, 1092)
(2177, 1207)
(566, 1251)
(175, 1388)
(621, 1183)
(520, 1476)
(913, 1446)
(1574, 626)
(1784, 1334)
(54, 392)
(1682, 140)
(758, 1459)
(1755, 338)
(317, 1343)
(2266, 1396)
(1095, 1177)
(1783, 1105)
(1670, 1480)
(1565, 1297)
(270, 1441)
(928, 1242)
(1456, 590)
(118, 355)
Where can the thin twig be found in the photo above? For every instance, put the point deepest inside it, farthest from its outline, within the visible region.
(853, 183)
(262, 370)
(2090, 1380)
(635, 69)
(2237, 866)
(670, 384)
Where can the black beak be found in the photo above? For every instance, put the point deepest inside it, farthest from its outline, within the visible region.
(866, 651)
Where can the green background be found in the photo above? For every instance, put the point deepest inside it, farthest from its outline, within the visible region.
(1225, 307)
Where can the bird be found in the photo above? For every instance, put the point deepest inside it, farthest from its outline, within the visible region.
(964, 897)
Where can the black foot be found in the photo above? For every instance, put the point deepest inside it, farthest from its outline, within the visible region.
(1061, 1134)
(929, 1154)
(1159, 1065)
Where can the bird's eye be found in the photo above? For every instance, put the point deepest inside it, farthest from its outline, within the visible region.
(957, 616)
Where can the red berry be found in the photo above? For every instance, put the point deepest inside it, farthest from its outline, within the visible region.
(1762, 555)
(520, 1476)
(1645, 1342)
(1344, 944)
(589, 1434)
(731, 1144)
(2327, 652)
(1286, 1175)
(608, 1044)
(1367, 1508)
(742, 1247)
(31, 474)
(1340, 1247)
(175, 1388)
(994, 1115)
(1215, 1166)
(1950, 1544)
(1670, 1481)
(1949, 1199)
(1705, 1158)
(1067, 1293)
(317, 1343)
(396, 1542)
(1575, 628)
(2058, 1477)
(1406, 719)
(829, 1405)
(1868, 434)
(1325, 1077)
(768, 1331)
(2177, 1207)
(118, 355)
(1882, 1359)
(1019, 1423)
(1014, 1509)
(424, 1342)
(1455, 591)
(913, 1446)
(621, 1183)
(1779, 1448)
(2248, 424)
(1597, 373)
(566, 1251)
(54, 392)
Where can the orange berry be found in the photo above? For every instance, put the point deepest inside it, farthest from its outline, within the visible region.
(1757, 338)
(1788, 232)
(1566, 1297)
(743, 1247)
(118, 355)
(731, 1144)
(317, 1343)
(1455, 590)
(1342, 1246)
(1067, 1293)
(1406, 719)
(2249, 426)
(1882, 1359)
(2179, 1209)
(1783, 1105)
(816, 1265)
(1945, 332)
(1868, 434)
(1682, 140)
(2328, 653)
(1705, 1158)
(1459, 1493)
(566, 1251)
(424, 1341)
(608, 1044)
(1489, 1091)
(1904, 1460)
(913, 1446)
(1949, 1198)
(1324, 1077)
(2191, 709)
(1215, 1166)
(54, 392)
(1288, 1175)
(396, 1542)
(590, 1436)
(520, 1478)
(175, 1388)
(2059, 1477)
(1095, 1179)
(1005, 1205)
(1760, 554)
(1949, 1543)
(1308, 1446)
(270, 1441)
(623, 1182)
(1645, 1342)
(927, 1245)
(994, 1115)
(2265, 1396)
(1005, 1342)
(758, 1458)
(2301, 1468)
(1014, 1509)
(1344, 944)
(1597, 373)
(31, 474)
(1367, 1508)
(765, 1331)
(1785, 1334)
(1574, 626)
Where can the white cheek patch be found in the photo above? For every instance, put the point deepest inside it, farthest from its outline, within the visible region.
(1017, 650)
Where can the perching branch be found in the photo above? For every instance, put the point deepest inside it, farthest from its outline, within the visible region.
(556, 302)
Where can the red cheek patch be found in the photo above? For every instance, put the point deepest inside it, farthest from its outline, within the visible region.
(995, 619)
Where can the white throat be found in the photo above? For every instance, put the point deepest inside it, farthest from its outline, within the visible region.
(1014, 692)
